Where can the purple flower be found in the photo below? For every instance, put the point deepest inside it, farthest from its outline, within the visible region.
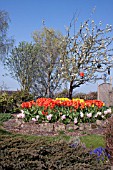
(101, 153)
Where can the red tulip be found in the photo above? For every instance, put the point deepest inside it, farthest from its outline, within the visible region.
(81, 74)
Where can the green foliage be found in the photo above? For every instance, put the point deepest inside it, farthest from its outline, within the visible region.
(11, 103)
(34, 66)
(6, 103)
(22, 96)
(4, 117)
(22, 64)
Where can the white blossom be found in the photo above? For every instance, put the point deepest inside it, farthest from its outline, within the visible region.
(49, 116)
(75, 120)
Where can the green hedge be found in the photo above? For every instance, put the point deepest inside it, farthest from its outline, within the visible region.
(11, 103)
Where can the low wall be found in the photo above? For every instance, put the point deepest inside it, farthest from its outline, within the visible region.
(17, 125)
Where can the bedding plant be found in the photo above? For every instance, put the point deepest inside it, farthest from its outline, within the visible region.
(64, 110)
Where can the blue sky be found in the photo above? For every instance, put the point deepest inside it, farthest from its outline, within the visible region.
(27, 15)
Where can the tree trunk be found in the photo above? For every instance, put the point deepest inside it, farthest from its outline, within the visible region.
(71, 90)
(48, 88)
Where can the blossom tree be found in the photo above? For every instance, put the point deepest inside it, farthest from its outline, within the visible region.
(86, 53)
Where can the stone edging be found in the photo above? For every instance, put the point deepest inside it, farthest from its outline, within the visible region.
(53, 127)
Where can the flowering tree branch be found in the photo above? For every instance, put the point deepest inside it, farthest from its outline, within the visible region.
(86, 53)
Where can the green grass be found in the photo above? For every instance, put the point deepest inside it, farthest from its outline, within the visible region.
(48, 139)
(93, 141)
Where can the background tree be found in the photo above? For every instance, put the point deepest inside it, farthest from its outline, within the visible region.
(22, 64)
(48, 79)
(5, 42)
(35, 66)
(86, 53)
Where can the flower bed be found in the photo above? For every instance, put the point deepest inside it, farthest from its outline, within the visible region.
(64, 111)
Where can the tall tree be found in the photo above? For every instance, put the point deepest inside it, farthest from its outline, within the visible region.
(49, 77)
(86, 53)
(5, 42)
(22, 64)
